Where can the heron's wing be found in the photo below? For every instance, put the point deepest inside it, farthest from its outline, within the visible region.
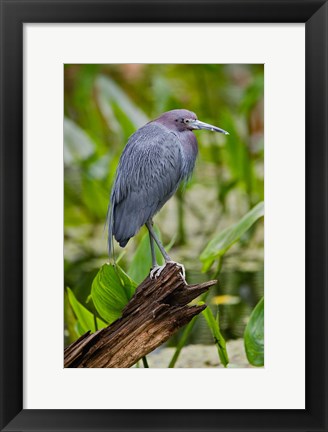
(148, 174)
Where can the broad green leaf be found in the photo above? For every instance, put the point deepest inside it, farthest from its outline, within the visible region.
(70, 322)
(218, 246)
(86, 321)
(213, 324)
(254, 336)
(111, 290)
(141, 263)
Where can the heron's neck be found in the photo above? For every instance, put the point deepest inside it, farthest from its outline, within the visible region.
(189, 151)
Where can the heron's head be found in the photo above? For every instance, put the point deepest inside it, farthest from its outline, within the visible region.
(183, 120)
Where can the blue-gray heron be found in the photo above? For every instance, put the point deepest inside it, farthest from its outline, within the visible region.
(155, 160)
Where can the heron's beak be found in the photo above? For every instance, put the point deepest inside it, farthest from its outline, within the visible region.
(197, 124)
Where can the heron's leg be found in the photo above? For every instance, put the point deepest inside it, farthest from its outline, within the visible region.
(152, 250)
(152, 233)
(156, 271)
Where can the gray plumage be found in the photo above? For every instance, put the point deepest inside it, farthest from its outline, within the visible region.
(156, 158)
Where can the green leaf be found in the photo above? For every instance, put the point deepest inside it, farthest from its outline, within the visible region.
(94, 198)
(220, 342)
(254, 336)
(219, 245)
(141, 262)
(253, 94)
(86, 319)
(111, 290)
(77, 144)
(111, 96)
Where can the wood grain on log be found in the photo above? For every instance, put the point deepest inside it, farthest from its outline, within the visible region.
(157, 310)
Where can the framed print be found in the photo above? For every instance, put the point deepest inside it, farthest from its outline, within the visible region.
(80, 78)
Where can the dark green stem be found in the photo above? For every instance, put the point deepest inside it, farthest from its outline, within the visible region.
(218, 270)
(95, 321)
(182, 342)
(144, 361)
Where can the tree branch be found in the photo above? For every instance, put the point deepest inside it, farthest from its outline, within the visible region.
(156, 311)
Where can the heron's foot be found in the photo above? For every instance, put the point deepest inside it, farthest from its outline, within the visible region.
(156, 271)
(183, 271)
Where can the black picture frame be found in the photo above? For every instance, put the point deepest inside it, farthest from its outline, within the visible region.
(314, 13)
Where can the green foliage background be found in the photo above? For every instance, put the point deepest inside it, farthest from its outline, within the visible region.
(104, 105)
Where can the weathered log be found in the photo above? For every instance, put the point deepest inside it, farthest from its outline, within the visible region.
(157, 310)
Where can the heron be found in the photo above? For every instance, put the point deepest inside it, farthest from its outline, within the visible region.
(156, 159)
